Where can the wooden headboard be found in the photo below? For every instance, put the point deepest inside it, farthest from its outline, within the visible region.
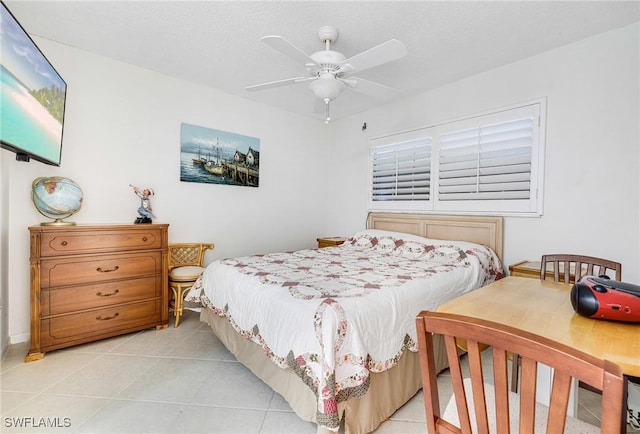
(476, 229)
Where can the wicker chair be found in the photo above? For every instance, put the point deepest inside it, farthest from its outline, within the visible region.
(186, 264)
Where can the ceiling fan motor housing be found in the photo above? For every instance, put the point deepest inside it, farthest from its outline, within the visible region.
(328, 60)
(326, 85)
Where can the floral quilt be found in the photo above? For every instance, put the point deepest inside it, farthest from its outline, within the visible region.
(334, 315)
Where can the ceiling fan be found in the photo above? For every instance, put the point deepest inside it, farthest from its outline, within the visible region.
(330, 72)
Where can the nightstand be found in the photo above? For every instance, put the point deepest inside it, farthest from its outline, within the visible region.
(531, 269)
(330, 241)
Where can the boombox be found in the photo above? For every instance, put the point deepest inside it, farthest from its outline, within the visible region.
(603, 298)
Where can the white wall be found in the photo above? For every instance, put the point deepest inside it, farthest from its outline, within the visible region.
(122, 126)
(592, 180)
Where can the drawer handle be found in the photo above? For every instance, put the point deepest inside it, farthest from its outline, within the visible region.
(99, 317)
(100, 294)
(144, 239)
(99, 269)
(64, 243)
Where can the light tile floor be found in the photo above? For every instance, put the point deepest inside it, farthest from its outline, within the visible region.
(178, 380)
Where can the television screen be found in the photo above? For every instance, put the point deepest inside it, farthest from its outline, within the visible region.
(32, 96)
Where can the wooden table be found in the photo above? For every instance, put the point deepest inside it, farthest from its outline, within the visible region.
(543, 307)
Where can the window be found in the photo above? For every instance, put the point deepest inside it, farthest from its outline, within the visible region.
(490, 163)
(402, 171)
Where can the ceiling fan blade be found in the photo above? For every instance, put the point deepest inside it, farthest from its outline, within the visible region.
(378, 55)
(287, 48)
(371, 88)
(277, 83)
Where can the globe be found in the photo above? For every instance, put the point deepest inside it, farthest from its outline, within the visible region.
(56, 198)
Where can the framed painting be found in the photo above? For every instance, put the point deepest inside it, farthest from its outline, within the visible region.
(218, 157)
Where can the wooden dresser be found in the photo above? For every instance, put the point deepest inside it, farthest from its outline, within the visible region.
(97, 281)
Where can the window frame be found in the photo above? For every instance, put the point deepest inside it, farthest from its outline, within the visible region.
(531, 207)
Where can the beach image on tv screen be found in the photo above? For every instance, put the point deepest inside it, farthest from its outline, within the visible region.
(32, 94)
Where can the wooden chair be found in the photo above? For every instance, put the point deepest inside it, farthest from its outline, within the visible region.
(186, 264)
(569, 269)
(477, 405)
(576, 266)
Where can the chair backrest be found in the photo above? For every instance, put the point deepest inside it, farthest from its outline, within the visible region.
(185, 254)
(567, 362)
(576, 266)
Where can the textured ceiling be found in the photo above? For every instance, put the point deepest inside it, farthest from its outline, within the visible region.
(217, 43)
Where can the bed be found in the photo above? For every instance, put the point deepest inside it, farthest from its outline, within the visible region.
(342, 349)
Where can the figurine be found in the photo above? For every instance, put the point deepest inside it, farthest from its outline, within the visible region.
(144, 210)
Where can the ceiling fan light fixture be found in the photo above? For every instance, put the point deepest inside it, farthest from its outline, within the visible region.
(327, 87)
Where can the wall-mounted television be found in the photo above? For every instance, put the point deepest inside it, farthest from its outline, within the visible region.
(32, 96)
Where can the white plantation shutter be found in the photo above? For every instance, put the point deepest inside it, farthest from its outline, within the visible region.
(402, 171)
(490, 163)
(487, 162)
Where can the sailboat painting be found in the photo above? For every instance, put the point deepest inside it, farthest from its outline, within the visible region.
(218, 157)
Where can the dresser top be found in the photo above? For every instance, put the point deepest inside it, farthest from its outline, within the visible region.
(105, 226)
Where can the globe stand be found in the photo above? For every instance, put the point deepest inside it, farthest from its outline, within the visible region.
(57, 222)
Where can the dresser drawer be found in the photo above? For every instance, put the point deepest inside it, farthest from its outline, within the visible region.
(86, 326)
(71, 271)
(75, 298)
(78, 241)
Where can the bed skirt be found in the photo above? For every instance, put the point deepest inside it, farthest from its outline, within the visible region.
(388, 390)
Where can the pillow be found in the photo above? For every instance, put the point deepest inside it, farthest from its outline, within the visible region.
(186, 272)
(360, 238)
(410, 246)
(378, 233)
